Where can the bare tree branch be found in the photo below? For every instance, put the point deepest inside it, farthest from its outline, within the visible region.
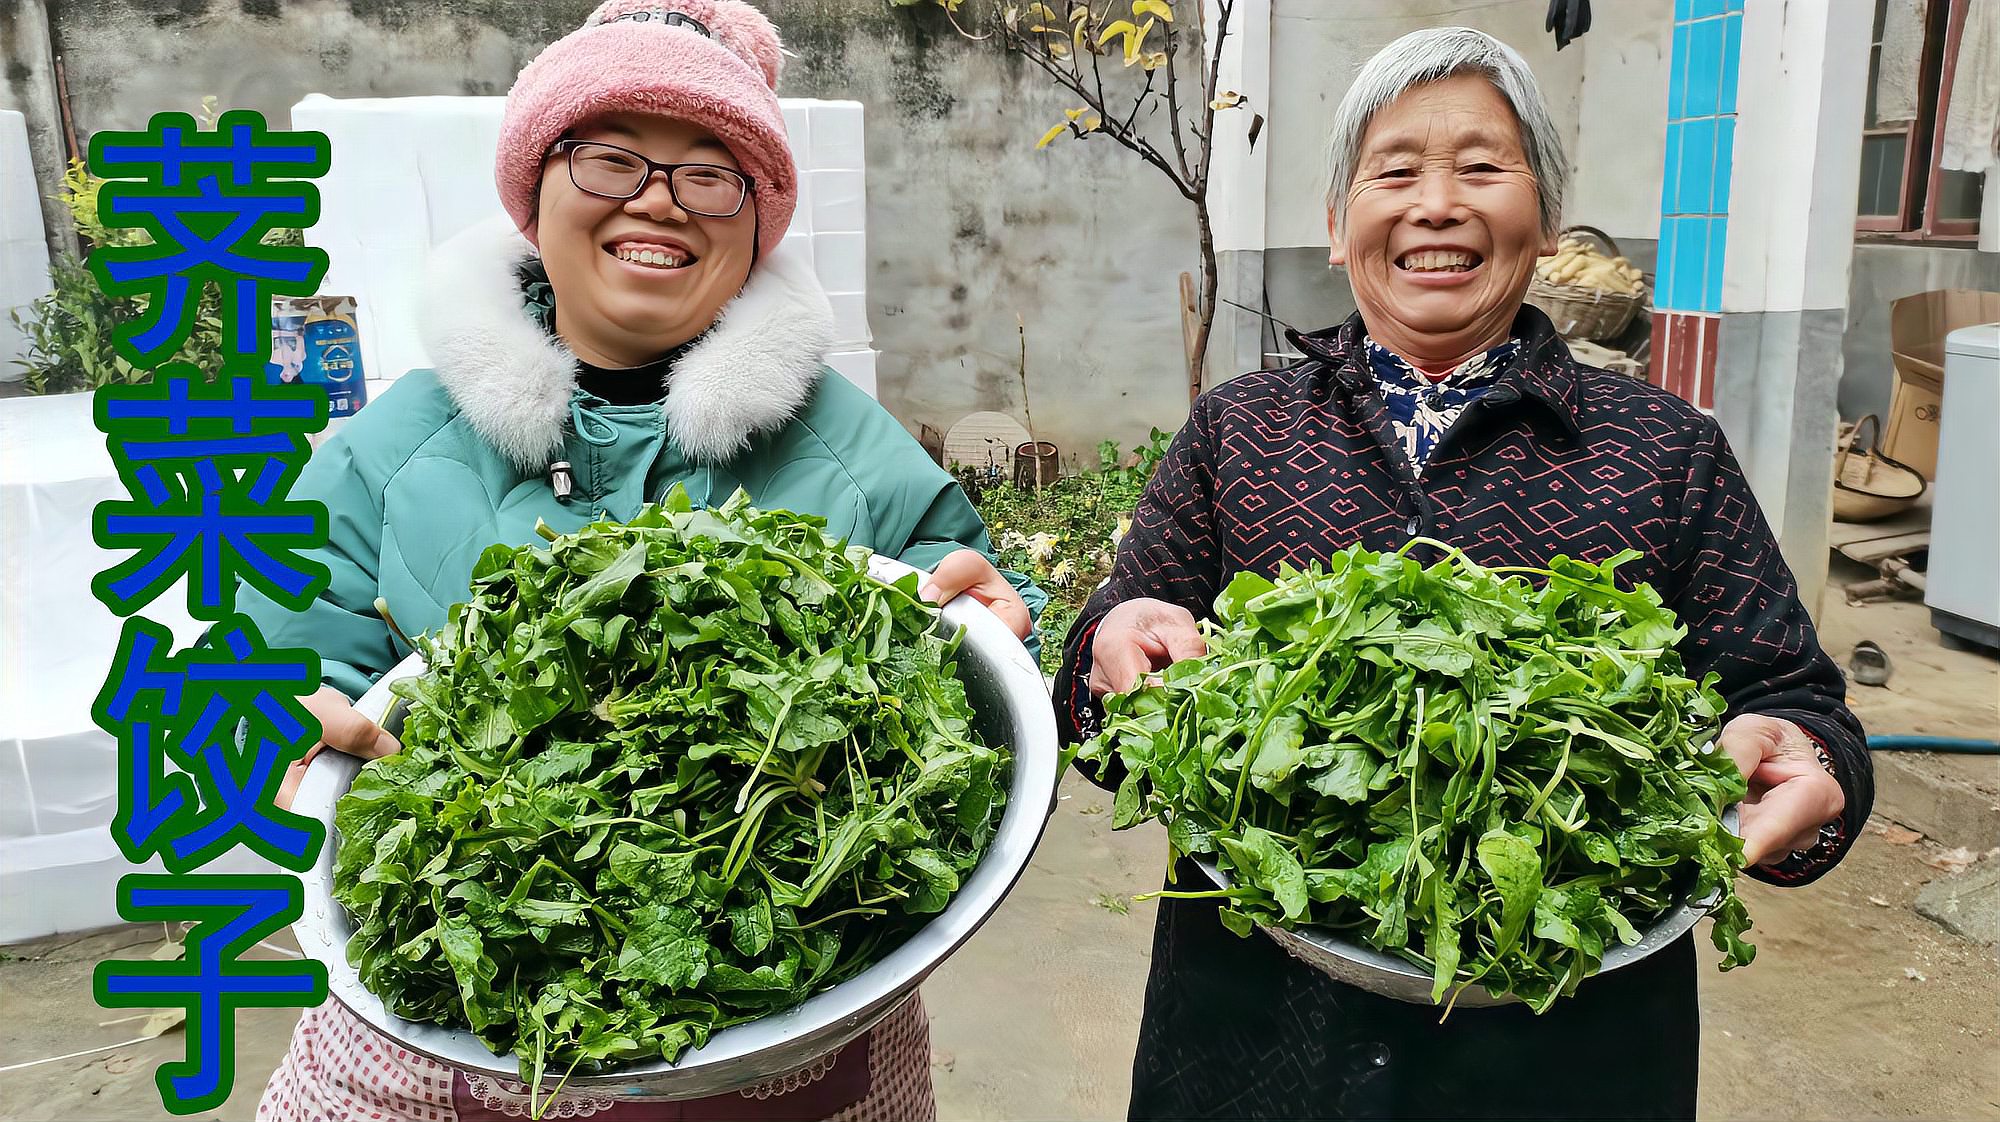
(1072, 80)
(1096, 72)
(1223, 10)
(1139, 102)
(1174, 104)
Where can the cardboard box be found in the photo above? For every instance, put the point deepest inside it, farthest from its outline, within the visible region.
(1917, 327)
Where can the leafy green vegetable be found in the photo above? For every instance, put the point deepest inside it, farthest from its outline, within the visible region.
(1492, 776)
(662, 778)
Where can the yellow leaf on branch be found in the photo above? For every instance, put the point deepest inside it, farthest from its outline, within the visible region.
(1049, 137)
(1134, 36)
(1114, 29)
(1159, 8)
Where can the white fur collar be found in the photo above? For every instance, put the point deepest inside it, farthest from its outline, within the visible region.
(751, 373)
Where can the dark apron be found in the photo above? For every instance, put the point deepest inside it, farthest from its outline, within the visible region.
(1237, 1028)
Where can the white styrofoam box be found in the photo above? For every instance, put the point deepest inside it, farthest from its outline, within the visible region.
(406, 174)
(841, 262)
(799, 244)
(850, 320)
(801, 221)
(798, 132)
(836, 136)
(857, 366)
(60, 883)
(452, 203)
(24, 254)
(839, 200)
(58, 771)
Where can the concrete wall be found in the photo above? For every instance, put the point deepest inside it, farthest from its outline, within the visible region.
(1882, 274)
(1622, 123)
(969, 225)
(28, 87)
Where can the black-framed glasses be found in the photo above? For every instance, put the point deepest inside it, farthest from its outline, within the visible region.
(611, 172)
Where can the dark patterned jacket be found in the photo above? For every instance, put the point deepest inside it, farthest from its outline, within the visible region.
(1290, 466)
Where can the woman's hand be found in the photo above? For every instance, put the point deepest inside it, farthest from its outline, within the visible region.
(968, 571)
(343, 730)
(1791, 795)
(1140, 637)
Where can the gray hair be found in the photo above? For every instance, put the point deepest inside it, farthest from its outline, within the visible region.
(1432, 55)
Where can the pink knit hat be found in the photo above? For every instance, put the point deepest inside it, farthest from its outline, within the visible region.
(713, 63)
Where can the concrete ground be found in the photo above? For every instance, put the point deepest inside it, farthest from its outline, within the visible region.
(1857, 1006)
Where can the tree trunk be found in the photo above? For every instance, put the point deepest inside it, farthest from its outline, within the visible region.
(1206, 309)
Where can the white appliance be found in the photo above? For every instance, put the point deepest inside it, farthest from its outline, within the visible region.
(1962, 586)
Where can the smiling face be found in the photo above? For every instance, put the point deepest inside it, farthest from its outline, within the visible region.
(636, 278)
(1443, 222)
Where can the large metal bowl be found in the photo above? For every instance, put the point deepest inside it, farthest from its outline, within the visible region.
(1011, 708)
(1362, 966)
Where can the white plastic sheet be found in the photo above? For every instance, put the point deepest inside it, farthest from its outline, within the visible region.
(58, 772)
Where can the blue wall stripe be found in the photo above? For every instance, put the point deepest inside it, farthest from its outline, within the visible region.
(1700, 144)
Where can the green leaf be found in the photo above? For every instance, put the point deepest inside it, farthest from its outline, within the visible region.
(1516, 873)
(660, 878)
(750, 928)
(1260, 859)
(665, 945)
(1346, 774)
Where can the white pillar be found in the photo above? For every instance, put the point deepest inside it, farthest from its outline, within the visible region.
(1792, 201)
(1236, 186)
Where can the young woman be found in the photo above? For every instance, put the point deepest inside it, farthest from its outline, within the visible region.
(634, 327)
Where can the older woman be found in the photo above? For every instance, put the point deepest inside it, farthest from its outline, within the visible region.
(1447, 408)
(634, 327)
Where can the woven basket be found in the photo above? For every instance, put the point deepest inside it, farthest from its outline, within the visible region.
(1586, 313)
(1868, 485)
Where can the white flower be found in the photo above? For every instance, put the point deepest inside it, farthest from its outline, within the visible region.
(1040, 546)
(1063, 575)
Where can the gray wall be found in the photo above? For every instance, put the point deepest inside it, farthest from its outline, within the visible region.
(28, 87)
(969, 225)
(1882, 274)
